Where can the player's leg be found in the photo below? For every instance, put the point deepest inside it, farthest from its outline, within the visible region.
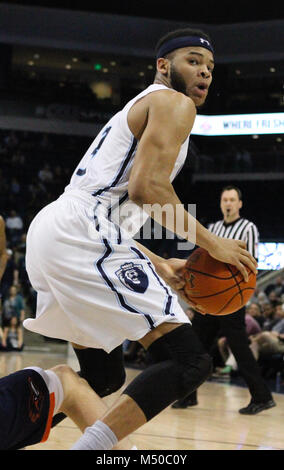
(80, 403)
(103, 371)
(181, 365)
(206, 328)
(29, 398)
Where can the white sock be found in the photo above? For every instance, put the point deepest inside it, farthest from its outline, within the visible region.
(96, 437)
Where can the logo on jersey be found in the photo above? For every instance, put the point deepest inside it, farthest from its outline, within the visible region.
(35, 401)
(133, 277)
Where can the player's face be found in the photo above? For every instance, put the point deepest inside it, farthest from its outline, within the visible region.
(230, 203)
(191, 72)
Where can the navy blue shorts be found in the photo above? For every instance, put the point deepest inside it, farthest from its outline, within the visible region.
(26, 410)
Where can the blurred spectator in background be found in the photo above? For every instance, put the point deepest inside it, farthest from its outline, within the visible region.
(254, 310)
(10, 276)
(270, 342)
(269, 314)
(14, 227)
(262, 298)
(13, 315)
(277, 286)
(273, 298)
(45, 174)
(11, 140)
(12, 339)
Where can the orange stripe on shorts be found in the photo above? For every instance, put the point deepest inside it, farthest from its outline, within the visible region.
(49, 418)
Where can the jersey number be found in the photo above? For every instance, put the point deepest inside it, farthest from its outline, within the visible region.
(82, 171)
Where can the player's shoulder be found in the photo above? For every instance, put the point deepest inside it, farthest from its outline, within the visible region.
(171, 100)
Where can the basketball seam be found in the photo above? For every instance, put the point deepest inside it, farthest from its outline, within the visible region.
(210, 275)
(237, 293)
(217, 293)
(240, 291)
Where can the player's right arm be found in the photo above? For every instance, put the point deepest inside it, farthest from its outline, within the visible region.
(3, 251)
(170, 118)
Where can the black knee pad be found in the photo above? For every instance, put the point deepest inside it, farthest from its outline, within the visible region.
(180, 366)
(103, 371)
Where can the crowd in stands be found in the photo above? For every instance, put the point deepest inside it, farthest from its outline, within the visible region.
(34, 170)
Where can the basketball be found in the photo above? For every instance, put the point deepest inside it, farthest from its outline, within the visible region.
(215, 287)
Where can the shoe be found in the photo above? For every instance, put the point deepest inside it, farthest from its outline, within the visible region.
(254, 408)
(185, 403)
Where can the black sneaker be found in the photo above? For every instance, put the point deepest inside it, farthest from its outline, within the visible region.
(254, 408)
(185, 403)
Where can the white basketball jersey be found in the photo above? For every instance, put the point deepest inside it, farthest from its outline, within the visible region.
(104, 170)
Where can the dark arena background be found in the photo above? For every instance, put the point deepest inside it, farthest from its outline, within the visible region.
(64, 71)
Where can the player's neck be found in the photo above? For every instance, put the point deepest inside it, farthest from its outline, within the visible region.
(162, 80)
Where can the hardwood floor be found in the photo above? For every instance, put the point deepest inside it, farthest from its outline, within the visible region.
(214, 424)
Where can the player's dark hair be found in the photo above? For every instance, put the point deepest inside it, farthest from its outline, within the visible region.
(230, 187)
(180, 33)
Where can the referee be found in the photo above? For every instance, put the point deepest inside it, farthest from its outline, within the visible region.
(233, 326)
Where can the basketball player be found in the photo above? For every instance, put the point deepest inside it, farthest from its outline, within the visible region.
(233, 326)
(96, 286)
(30, 397)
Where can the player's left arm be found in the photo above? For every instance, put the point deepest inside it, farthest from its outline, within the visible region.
(3, 251)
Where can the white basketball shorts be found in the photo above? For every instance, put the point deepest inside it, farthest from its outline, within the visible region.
(94, 286)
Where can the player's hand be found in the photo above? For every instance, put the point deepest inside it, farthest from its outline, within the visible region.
(171, 271)
(233, 252)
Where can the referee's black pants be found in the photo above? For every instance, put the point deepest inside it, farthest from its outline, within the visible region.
(233, 328)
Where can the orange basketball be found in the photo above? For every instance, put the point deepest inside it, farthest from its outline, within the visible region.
(215, 287)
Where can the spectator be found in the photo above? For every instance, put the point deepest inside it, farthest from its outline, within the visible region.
(13, 336)
(11, 140)
(10, 276)
(13, 306)
(262, 298)
(45, 174)
(270, 342)
(269, 314)
(14, 227)
(15, 187)
(277, 287)
(254, 310)
(273, 298)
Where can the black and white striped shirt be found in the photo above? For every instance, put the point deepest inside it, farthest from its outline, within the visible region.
(240, 229)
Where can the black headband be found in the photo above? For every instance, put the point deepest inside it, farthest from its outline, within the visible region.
(183, 41)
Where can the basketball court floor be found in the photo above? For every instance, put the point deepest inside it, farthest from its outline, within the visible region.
(214, 424)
